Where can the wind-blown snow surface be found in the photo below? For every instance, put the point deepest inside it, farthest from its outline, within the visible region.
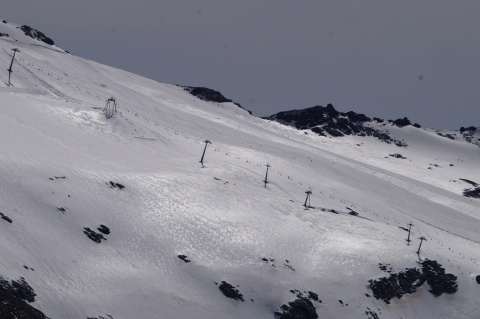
(220, 216)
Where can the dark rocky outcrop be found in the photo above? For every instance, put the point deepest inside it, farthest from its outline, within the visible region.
(438, 280)
(229, 291)
(210, 95)
(14, 307)
(35, 34)
(396, 285)
(115, 185)
(469, 182)
(478, 279)
(184, 258)
(3, 34)
(449, 136)
(402, 122)
(410, 279)
(93, 235)
(397, 155)
(371, 314)
(103, 229)
(301, 308)
(18, 288)
(470, 129)
(327, 121)
(5, 217)
(471, 134)
(474, 193)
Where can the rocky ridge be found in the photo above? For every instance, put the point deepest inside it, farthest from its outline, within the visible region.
(327, 121)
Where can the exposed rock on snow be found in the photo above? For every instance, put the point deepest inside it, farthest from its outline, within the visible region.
(93, 235)
(327, 120)
(475, 193)
(229, 291)
(4, 217)
(184, 258)
(18, 288)
(14, 307)
(371, 314)
(439, 281)
(397, 285)
(102, 317)
(469, 182)
(115, 185)
(210, 95)
(409, 280)
(301, 308)
(104, 229)
(450, 136)
(35, 34)
(397, 155)
(402, 122)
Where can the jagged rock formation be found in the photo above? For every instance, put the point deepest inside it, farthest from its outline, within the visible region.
(103, 229)
(438, 280)
(474, 193)
(471, 134)
(93, 235)
(210, 95)
(35, 34)
(397, 285)
(14, 307)
(14, 296)
(301, 308)
(5, 217)
(230, 292)
(471, 192)
(327, 120)
(115, 185)
(409, 280)
(184, 258)
(18, 288)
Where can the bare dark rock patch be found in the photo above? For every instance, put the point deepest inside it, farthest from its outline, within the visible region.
(474, 193)
(327, 121)
(6, 218)
(116, 185)
(93, 235)
(397, 155)
(410, 279)
(184, 258)
(103, 229)
(230, 291)
(35, 34)
(301, 308)
(210, 95)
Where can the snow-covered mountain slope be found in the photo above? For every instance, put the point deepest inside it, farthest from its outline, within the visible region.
(59, 153)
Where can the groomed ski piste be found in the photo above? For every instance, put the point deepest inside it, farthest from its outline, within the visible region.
(59, 153)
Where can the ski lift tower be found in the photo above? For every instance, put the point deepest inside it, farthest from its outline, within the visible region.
(110, 108)
(309, 192)
(15, 50)
(266, 175)
(421, 240)
(203, 155)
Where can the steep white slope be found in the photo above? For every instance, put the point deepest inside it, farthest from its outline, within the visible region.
(220, 215)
